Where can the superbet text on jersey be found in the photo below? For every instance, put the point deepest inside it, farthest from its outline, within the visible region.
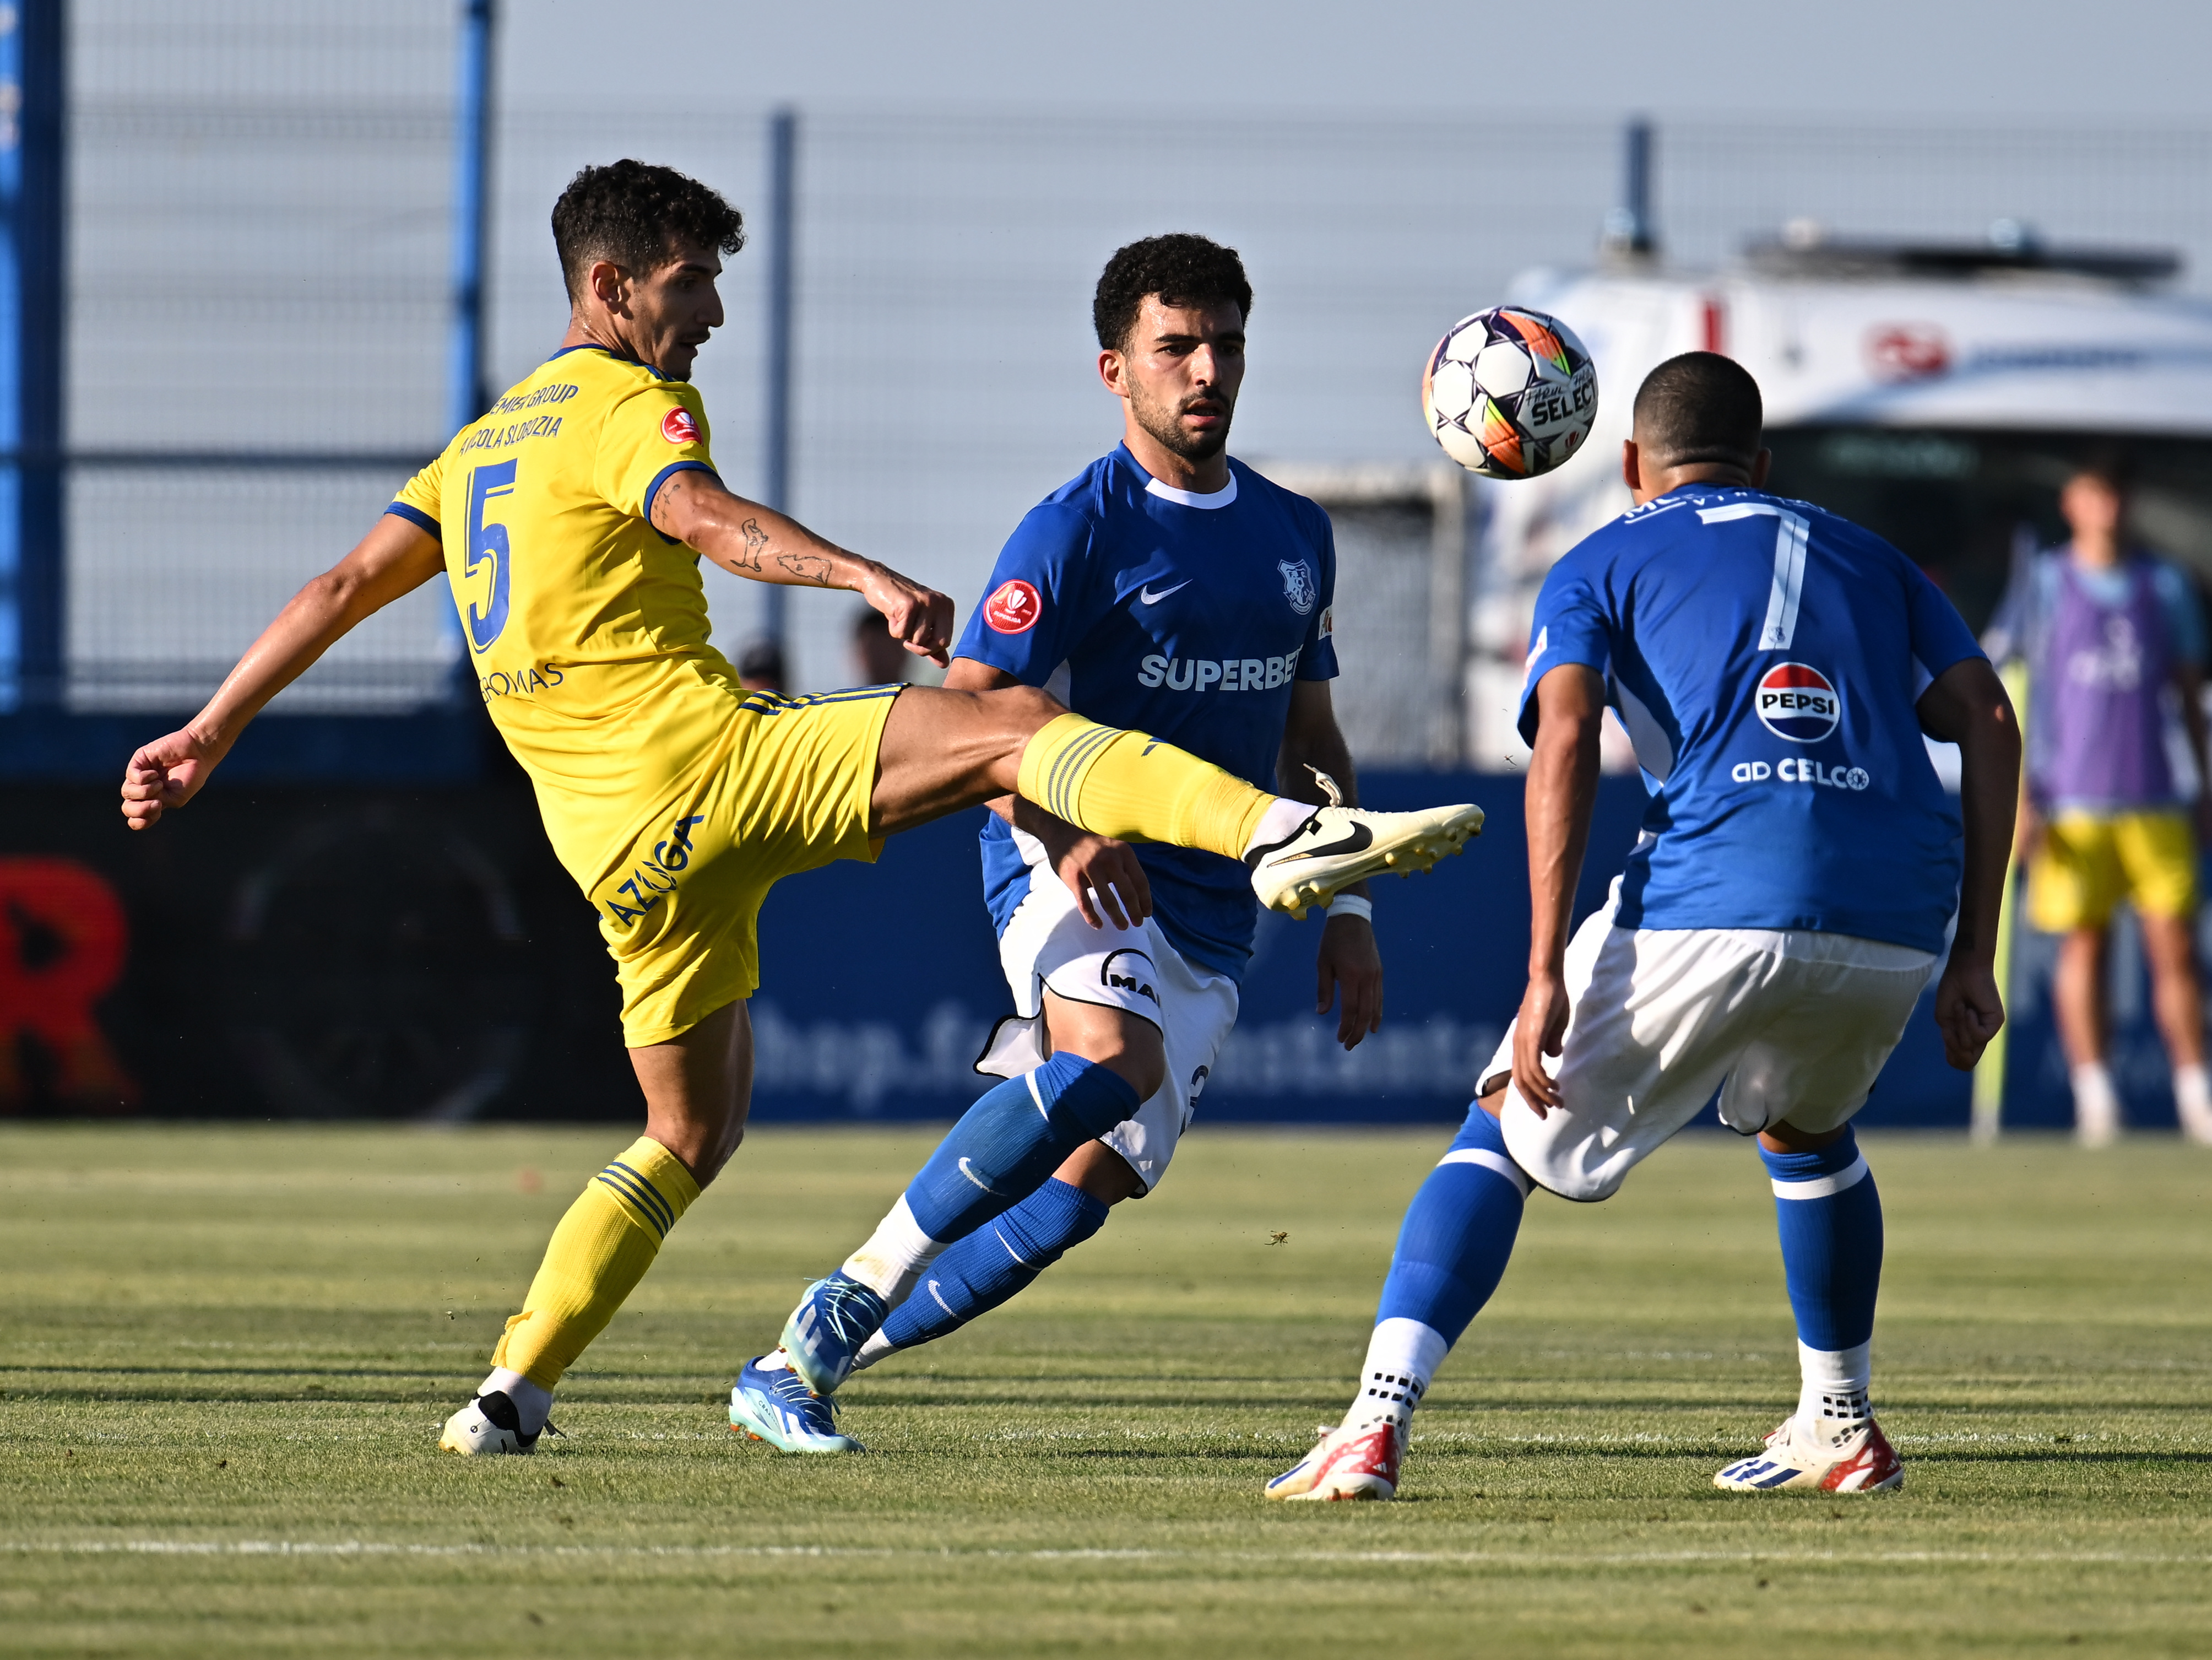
(1765, 657)
(1189, 616)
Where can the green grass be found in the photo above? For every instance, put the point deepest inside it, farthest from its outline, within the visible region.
(225, 1353)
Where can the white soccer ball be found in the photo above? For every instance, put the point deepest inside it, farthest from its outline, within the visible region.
(1509, 392)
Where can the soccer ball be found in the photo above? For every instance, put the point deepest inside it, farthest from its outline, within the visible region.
(1509, 392)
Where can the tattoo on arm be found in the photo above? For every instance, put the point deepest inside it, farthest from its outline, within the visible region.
(756, 539)
(807, 567)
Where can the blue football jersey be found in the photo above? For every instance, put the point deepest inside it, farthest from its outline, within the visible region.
(1765, 657)
(1187, 616)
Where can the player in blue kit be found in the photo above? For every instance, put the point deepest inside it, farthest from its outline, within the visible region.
(1797, 883)
(1167, 580)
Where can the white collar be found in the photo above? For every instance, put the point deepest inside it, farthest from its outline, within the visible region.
(1220, 498)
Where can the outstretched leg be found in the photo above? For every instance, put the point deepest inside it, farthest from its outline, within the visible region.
(697, 1087)
(942, 750)
(1452, 1249)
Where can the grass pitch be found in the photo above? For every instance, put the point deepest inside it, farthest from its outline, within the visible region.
(226, 1353)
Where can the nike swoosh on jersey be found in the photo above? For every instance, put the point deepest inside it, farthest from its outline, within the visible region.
(1358, 839)
(1149, 598)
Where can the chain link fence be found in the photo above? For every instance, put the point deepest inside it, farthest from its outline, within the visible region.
(261, 242)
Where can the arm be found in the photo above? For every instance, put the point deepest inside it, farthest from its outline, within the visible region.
(1087, 863)
(1348, 956)
(1562, 794)
(396, 557)
(2189, 685)
(760, 544)
(1967, 706)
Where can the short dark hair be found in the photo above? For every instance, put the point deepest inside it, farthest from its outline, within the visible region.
(1183, 269)
(2109, 466)
(635, 214)
(1700, 406)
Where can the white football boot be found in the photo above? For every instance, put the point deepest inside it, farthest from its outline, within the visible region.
(489, 1425)
(1833, 1458)
(1347, 1463)
(1339, 845)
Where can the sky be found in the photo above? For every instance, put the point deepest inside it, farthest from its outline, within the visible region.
(2128, 62)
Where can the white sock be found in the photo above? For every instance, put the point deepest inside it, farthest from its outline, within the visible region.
(1402, 1356)
(2096, 1103)
(532, 1405)
(2192, 1101)
(1279, 823)
(895, 1256)
(774, 1360)
(1832, 1398)
(873, 1350)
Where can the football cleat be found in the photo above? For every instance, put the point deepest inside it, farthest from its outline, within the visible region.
(1348, 1463)
(826, 1331)
(1338, 846)
(1857, 1461)
(489, 1425)
(777, 1408)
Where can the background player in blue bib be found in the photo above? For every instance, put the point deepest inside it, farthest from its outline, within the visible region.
(1790, 897)
(1169, 579)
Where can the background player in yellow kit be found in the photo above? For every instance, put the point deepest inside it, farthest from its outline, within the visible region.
(570, 519)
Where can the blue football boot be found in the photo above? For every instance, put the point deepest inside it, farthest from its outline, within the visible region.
(777, 1408)
(826, 1331)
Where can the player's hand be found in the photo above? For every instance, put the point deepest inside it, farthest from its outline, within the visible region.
(1349, 959)
(1103, 874)
(166, 773)
(2028, 833)
(1539, 1031)
(1969, 1011)
(921, 618)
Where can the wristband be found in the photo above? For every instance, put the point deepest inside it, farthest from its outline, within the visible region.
(1351, 904)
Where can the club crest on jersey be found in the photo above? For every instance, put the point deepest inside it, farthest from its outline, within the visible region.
(678, 428)
(1796, 700)
(1298, 584)
(1013, 608)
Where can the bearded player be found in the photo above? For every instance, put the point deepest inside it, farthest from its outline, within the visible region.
(570, 520)
(1167, 585)
(1797, 885)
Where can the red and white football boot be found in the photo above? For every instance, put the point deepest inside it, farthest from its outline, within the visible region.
(1348, 1463)
(1856, 1460)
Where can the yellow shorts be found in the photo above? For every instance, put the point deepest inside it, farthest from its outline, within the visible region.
(2089, 863)
(680, 911)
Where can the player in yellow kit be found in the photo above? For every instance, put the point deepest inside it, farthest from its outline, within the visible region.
(570, 520)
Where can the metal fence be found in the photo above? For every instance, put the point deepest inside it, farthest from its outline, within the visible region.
(261, 230)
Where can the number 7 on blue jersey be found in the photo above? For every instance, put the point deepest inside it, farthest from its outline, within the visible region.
(488, 542)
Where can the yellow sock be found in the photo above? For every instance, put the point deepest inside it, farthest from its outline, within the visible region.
(1134, 787)
(598, 1254)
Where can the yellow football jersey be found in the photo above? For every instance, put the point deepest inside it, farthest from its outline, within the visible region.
(586, 627)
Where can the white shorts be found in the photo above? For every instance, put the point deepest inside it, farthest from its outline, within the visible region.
(1790, 1026)
(1047, 944)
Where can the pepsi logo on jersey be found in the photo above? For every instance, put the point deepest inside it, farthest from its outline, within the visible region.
(1796, 700)
(1013, 607)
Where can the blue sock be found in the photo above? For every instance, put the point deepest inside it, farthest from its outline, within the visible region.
(991, 1264)
(1830, 1217)
(1458, 1233)
(1011, 1139)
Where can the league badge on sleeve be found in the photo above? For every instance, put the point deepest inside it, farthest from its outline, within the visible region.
(1796, 700)
(1013, 607)
(678, 428)
(1298, 584)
